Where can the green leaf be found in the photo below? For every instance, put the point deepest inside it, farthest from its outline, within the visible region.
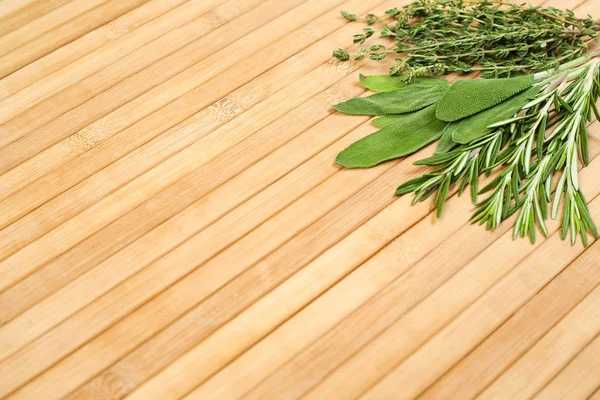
(348, 16)
(400, 101)
(385, 120)
(446, 142)
(470, 96)
(411, 185)
(371, 18)
(476, 126)
(395, 140)
(341, 54)
(385, 83)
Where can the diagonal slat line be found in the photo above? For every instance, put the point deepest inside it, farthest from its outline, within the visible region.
(383, 384)
(258, 352)
(174, 45)
(45, 23)
(167, 196)
(12, 17)
(64, 34)
(180, 157)
(118, 103)
(580, 312)
(175, 103)
(517, 316)
(10, 8)
(178, 286)
(578, 379)
(40, 77)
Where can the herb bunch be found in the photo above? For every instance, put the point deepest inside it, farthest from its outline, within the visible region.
(496, 38)
(526, 130)
(546, 136)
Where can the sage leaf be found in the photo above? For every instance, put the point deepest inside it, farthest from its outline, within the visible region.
(471, 96)
(385, 83)
(477, 125)
(400, 101)
(446, 142)
(385, 120)
(398, 139)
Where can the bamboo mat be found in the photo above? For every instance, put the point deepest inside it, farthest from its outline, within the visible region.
(172, 224)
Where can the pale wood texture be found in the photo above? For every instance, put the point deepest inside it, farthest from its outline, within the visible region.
(172, 224)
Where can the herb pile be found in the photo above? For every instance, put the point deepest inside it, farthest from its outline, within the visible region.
(526, 128)
(496, 38)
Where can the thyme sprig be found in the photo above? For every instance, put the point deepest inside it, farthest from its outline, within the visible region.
(496, 38)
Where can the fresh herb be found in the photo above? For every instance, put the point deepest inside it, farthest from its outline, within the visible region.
(385, 83)
(404, 136)
(491, 36)
(544, 137)
(399, 101)
(446, 142)
(477, 125)
(348, 16)
(524, 129)
(386, 120)
(470, 96)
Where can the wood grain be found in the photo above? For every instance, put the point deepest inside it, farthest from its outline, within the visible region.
(172, 223)
(37, 41)
(17, 13)
(579, 378)
(70, 56)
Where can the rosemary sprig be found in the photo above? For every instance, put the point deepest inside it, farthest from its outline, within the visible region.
(493, 37)
(463, 166)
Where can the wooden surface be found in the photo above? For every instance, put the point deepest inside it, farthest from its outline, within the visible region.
(172, 224)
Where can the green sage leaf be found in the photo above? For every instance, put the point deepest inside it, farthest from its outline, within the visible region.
(398, 139)
(446, 142)
(476, 126)
(385, 83)
(471, 96)
(400, 101)
(386, 120)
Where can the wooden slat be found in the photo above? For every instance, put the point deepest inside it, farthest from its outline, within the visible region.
(187, 133)
(312, 365)
(579, 379)
(94, 61)
(33, 47)
(520, 332)
(38, 71)
(94, 85)
(131, 367)
(172, 223)
(187, 261)
(169, 71)
(548, 356)
(191, 87)
(17, 13)
(415, 373)
(595, 395)
(159, 205)
(44, 24)
(13, 7)
(219, 171)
